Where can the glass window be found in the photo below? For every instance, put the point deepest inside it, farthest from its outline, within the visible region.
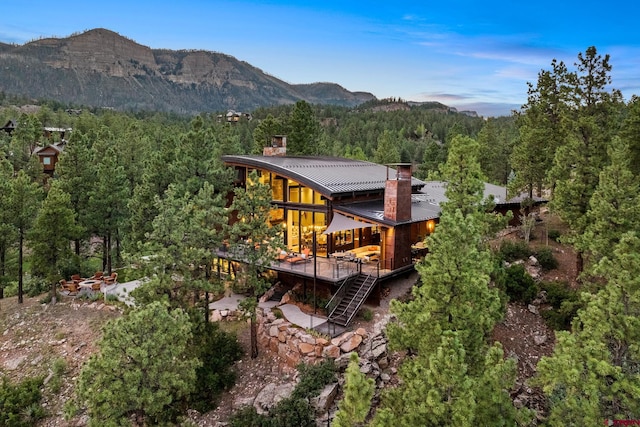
(307, 195)
(46, 160)
(277, 189)
(294, 194)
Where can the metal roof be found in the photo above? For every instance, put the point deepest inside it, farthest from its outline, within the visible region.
(330, 176)
(435, 190)
(421, 210)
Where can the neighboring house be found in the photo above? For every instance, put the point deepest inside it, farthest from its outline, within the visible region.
(9, 127)
(48, 156)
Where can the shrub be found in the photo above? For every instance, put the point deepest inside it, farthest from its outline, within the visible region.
(217, 350)
(511, 250)
(546, 259)
(34, 286)
(20, 403)
(313, 378)
(366, 314)
(518, 284)
(296, 409)
(554, 235)
(565, 303)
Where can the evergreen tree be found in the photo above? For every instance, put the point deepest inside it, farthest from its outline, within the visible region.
(24, 201)
(437, 389)
(253, 237)
(262, 134)
(76, 176)
(583, 154)
(387, 151)
(358, 391)
(593, 372)
(303, 130)
(51, 235)
(7, 231)
(630, 133)
(542, 128)
(142, 371)
(108, 199)
(184, 234)
(614, 208)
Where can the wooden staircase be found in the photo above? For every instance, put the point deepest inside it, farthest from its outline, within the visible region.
(350, 299)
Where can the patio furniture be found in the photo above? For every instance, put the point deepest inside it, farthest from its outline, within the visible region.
(71, 287)
(76, 278)
(97, 276)
(297, 260)
(90, 284)
(110, 280)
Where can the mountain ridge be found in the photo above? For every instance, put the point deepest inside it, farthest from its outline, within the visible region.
(101, 68)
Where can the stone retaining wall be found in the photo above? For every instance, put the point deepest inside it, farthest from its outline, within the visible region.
(294, 344)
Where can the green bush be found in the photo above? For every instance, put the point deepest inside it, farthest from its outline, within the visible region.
(565, 303)
(546, 259)
(20, 403)
(217, 350)
(313, 378)
(366, 314)
(518, 284)
(34, 286)
(295, 411)
(511, 250)
(554, 235)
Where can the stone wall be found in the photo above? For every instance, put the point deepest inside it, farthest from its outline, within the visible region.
(295, 345)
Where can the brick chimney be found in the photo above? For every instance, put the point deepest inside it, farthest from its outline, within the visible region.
(278, 146)
(397, 193)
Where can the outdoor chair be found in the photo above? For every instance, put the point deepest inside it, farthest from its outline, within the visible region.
(71, 287)
(97, 276)
(76, 278)
(96, 286)
(110, 280)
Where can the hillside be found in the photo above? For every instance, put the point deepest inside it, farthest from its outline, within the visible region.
(37, 335)
(104, 69)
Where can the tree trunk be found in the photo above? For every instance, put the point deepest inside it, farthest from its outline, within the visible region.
(76, 248)
(254, 337)
(3, 263)
(104, 253)
(579, 263)
(20, 242)
(53, 293)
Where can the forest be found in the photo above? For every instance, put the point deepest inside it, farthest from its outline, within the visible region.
(133, 185)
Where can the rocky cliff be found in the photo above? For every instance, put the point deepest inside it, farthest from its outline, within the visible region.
(104, 69)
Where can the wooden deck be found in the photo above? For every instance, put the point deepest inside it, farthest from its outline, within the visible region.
(331, 270)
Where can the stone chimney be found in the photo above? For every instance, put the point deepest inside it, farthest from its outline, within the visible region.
(278, 146)
(397, 193)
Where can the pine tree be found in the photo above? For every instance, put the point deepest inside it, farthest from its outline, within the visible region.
(24, 202)
(436, 390)
(592, 374)
(387, 150)
(143, 369)
(304, 130)
(53, 230)
(358, 391)
(7, 231)
(614, 208)
(583, 153)
(252, 236)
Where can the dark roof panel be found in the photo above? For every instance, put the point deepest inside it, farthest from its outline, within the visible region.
(331, 176)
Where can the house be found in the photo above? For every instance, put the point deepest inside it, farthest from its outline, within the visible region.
(48, 156)
(364, 223)
(9, 127)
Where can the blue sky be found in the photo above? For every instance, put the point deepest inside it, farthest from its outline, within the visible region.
(466, 54)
